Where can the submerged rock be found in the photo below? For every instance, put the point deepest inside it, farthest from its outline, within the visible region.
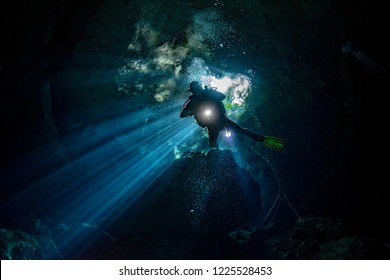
(19, 245)
(189, 211)
(324, 238)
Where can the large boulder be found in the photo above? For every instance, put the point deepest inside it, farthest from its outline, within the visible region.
(189, 211)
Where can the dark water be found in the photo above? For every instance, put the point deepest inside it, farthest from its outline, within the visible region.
(90, 118)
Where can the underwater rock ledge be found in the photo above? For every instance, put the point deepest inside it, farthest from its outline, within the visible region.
(197, 209)
(189, 211)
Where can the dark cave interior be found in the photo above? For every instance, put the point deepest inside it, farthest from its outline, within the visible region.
(95, 162)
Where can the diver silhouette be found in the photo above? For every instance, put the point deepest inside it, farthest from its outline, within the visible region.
(205, 104)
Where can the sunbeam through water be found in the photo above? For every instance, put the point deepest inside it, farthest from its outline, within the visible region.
(108, 170)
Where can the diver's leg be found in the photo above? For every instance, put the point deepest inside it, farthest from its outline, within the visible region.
(213, 136)
(243, 131)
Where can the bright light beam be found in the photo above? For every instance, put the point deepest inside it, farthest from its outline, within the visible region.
(109, 170)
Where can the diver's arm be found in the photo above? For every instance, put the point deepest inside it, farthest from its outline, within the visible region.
(186, 113)
(219, 96)
(188, 109)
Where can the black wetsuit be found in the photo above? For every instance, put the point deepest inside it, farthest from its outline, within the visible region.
(208, 110)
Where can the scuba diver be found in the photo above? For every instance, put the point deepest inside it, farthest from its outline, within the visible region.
(205, 104)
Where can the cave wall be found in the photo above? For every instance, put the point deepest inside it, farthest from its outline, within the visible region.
(324, 101)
